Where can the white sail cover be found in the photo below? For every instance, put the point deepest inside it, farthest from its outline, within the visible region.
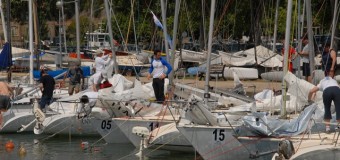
(265, 56)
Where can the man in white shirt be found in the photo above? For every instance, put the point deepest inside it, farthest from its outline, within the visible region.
(96, 79)
(101, 60)
(331, 92)
(305, 60)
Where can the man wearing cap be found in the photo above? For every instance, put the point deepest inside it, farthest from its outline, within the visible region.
(76, 78)
(101, 61)
(305, 60)
(96, 79)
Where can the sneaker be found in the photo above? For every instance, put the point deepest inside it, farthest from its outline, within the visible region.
(328, 130)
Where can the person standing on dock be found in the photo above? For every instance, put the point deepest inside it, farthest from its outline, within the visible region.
(101, 60)
(305, 60)
(46, 85)
(76, 78)
(157, 69)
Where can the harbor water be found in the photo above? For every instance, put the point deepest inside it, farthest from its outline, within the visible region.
(28, 146)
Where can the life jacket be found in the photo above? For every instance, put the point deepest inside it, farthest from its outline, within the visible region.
(105, 84)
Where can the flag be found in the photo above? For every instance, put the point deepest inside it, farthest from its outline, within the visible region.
(156, 20)
(160, 25)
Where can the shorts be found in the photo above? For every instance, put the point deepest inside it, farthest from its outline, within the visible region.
(72, 88)
(305, 69)
(44, 101)
(5, 102)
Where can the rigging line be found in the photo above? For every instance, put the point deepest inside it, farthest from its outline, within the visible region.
(317, 14)
(226, 6)
(235, 148)
(172, 139)
(185, 5)
(128, 28)
(120, 31)
(111, 130)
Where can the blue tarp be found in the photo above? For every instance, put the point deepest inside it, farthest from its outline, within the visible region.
(86, 71)
(5, 57)
(196, 70)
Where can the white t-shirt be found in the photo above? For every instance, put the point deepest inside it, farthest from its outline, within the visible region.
(101, 62)
(327, 82)
(158, 68)
(95, 79)
(303, 58)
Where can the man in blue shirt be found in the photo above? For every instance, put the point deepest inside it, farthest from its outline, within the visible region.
(157, 70)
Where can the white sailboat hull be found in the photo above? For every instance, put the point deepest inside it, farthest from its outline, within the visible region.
(109, 131)
(69, 124)
(126, 125)
(214, 142)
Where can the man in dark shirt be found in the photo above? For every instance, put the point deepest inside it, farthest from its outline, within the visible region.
(46, 84)
(76, 78)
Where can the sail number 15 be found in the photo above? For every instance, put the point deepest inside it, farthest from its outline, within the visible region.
(219, 134)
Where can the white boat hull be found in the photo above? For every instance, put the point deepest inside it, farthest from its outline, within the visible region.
(69, 124)
(109, 131)
(126, 125)
(216, 143)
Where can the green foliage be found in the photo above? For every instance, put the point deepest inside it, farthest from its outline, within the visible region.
(233, 17)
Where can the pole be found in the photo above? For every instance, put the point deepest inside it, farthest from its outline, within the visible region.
(211, 27)
(60, 52)
(173, 45)
(165, 33)
(64, 30)
(3, 21)
(36, 35)
(8, 6)
(310, 35)
(275, 25)
(108, 15)
(285, 66)
(334, 22)
(30, 28)
(77, 29)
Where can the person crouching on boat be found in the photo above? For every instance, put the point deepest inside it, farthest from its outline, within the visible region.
(331, 92)
(46, 85)
(6, 93)
(96, 79)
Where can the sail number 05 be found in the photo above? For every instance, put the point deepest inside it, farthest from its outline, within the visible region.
(106, 124)
(219, 134)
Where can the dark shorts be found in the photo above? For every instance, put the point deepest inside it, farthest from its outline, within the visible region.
(44, 101)
(305, 69)
(5, 102)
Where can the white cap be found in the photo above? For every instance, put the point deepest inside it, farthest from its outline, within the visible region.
(104, 74)
(99, 51)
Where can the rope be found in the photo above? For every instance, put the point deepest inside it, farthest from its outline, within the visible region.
(92, 145)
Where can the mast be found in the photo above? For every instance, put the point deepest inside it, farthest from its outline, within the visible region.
(211, 26)
(286, 52)
(173, 45)
(30, 28)
(335, 19)
(35, 30)
(310, 35)
(64, 30)
(8, 15)
(3, 21)
(108, 15)
(275, 25)
(165, 33)
(78, 30)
